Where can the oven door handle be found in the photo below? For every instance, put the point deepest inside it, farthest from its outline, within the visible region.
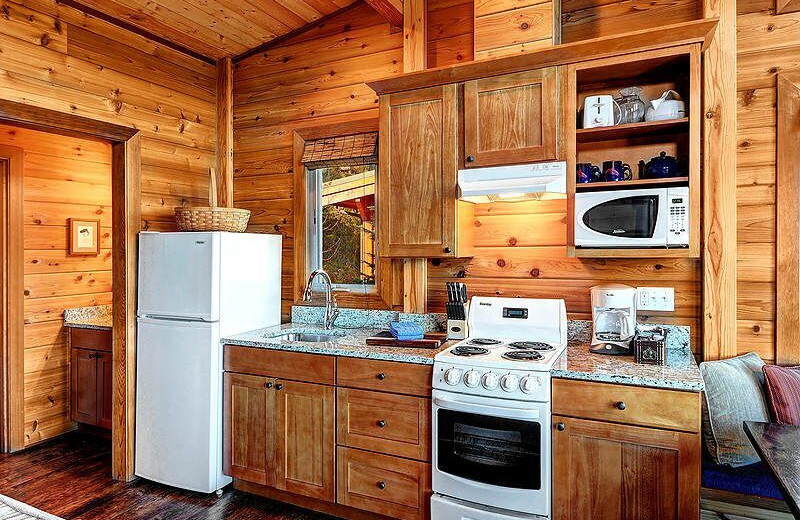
(495, 411)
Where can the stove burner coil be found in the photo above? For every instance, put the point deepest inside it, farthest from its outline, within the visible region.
(469, 351)
(484, 341)
(523, 355)
(530, 345)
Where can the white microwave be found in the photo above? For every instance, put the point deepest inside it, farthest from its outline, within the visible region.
(657, 217)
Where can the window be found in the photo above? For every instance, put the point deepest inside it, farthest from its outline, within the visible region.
(341, 225)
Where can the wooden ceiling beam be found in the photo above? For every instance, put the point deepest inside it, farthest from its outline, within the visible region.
(392, 10)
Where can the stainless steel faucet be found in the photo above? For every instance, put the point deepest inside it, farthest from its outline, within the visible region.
(331, 309)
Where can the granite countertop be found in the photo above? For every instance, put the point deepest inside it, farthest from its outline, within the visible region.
(350, 342)
(679, 373)
(98, 317)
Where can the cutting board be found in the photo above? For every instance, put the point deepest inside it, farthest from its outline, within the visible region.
(385, 339)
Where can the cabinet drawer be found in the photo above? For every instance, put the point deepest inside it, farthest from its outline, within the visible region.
(382, 484)
(312, 368)
(386, 423)
(90, 339)
(634, 405)
(386, 376)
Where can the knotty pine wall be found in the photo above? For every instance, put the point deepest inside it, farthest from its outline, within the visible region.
(318, 77)
(64, 178)
(58, 58)
(767, 44)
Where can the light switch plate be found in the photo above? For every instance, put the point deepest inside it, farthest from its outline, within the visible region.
(656, 299)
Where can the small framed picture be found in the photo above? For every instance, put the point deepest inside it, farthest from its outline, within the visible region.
(84, 237)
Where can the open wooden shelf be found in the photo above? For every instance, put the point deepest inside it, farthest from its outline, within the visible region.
(634, 253)
(631, 184)
(631, 130)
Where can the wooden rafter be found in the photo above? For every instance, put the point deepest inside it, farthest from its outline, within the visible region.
(392, 10)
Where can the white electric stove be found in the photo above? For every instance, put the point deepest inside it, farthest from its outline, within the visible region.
(491, 412)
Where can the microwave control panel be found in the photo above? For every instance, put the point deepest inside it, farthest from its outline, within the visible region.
(678, 233)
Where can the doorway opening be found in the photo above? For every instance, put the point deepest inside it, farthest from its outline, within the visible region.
(125, 219)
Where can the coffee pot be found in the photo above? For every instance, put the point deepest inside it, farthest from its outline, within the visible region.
(614, 319)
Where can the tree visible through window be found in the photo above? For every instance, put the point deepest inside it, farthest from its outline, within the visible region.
(342, 224)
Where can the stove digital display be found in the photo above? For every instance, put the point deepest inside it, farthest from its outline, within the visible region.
(516, 313)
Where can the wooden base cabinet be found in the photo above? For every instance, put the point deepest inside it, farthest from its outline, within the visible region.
(281, 434)
(91, 373)
(613, 470)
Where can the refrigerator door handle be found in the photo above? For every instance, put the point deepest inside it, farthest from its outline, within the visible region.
(173, 318)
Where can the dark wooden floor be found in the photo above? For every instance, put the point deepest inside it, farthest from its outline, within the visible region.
(70, 478)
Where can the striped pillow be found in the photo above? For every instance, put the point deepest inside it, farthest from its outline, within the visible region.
(783, 391)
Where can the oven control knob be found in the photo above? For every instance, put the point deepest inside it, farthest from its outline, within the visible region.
(452, 376)
(490, 380)
(472, 379)
(529, 384)
(509, 382)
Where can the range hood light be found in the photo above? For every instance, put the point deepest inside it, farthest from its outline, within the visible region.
(513, 183)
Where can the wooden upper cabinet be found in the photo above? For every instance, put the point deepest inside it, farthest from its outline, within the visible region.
(611, 471)
(511, 119)
(417, 173)
(305, 439)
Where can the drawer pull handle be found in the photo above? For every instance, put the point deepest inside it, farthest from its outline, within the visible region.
(621, 405)
(381, 485)
(268, 385)
(279, 387)
(381, 424)
(561, 426)
(381, 376)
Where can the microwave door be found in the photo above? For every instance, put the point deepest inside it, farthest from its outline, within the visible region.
(630, 220)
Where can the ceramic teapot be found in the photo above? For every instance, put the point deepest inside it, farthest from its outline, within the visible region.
(661, 167)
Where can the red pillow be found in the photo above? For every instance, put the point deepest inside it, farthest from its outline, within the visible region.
(783, 391)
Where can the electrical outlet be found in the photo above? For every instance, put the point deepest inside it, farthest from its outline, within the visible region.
(656, 299)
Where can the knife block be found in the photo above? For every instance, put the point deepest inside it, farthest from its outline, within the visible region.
(458, 329)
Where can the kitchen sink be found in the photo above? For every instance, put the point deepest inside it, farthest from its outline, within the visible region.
(307, 337)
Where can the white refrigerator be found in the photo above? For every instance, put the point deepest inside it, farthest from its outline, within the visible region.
(194, 289)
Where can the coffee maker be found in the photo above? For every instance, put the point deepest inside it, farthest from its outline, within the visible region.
(614, 319)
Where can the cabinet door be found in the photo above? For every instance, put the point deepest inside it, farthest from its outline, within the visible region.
(84, 386)
(612, 471)
(306, 415)
(417, 174)
(105, 371)
(249, 428)
(511, 119)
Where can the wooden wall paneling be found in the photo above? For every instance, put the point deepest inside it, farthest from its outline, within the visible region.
(586, 19)
(11, 306)
(719, 184)
(510, 27)
(450, 32)
(225, 132)
(787, 346)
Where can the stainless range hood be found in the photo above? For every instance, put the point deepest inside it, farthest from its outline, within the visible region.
(513, 183)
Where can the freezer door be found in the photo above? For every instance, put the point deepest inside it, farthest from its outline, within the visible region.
(179, 404)
(179, 275)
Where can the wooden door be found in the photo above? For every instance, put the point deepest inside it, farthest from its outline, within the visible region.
(417, 173)
(305, 443)
(249, 428)
(105, 389)
(511, 119)
(84, 386)
(607, 471)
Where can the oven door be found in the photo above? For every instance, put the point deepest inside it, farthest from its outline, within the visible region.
(630, 218)
(494, 452)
